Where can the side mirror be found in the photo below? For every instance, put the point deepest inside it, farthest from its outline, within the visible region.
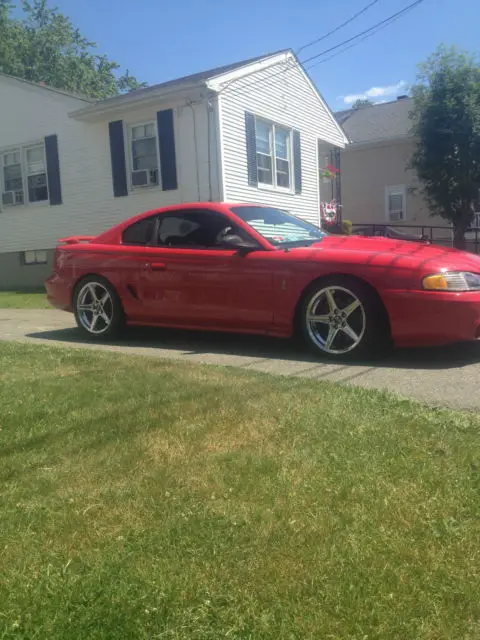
(236, 242)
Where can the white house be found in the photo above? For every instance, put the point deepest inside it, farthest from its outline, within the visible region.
(247, 132)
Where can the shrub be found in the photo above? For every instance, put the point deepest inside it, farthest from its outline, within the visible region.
(346, 228)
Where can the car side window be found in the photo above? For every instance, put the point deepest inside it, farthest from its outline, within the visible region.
(139, 233)
(193, 230)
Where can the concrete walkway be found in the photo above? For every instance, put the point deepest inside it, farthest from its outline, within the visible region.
(445, 377)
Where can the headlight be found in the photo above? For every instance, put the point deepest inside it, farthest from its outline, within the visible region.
(452, 281)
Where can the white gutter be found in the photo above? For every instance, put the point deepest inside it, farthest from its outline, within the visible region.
(143, 97)
(377, 142)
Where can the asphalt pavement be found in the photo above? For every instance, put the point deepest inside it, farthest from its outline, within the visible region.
(443, 377)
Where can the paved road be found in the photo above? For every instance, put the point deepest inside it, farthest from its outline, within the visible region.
(448, 377)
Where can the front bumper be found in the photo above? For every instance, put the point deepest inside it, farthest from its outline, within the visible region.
(430, 318)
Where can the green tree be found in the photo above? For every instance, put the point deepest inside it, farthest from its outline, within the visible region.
(44, 46)
(362, 102)
(446, 122)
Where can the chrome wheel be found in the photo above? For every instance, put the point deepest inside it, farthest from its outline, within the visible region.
(95, 308)
(335, 320)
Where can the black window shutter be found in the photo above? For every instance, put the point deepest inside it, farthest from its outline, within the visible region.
(166, 143)
(297, 161)
(251, 149)
(117, 154)
(53, 170)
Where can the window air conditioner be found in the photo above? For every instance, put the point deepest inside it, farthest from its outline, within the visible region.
(396, 215)
(10, 198)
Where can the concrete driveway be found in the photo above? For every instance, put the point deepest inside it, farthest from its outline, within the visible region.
(448, 376)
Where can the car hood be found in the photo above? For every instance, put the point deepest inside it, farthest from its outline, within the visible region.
(383, 251)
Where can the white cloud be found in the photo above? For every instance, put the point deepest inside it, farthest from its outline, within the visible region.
(376, 94)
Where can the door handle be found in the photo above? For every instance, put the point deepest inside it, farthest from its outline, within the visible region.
(158, 266)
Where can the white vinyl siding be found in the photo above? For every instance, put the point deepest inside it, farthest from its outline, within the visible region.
(89, 206)
(213, 168)
(282, 95)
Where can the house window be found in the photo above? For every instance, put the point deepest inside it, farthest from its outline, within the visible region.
(144, 155)
(395, 204)
(23, 175)
(35, 257)
(282, 157)
(273, 154)
(12, 188)
(36, 174)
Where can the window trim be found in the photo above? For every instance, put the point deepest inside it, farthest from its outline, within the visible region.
(396, 190)
(129, 155)
(22, 149)
(273, 155)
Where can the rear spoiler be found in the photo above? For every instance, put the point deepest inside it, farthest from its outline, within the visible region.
(77, 239)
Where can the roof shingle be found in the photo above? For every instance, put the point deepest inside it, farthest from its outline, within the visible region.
(195, 78)
(378, 122)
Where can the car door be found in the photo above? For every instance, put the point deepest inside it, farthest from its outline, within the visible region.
(190, 279)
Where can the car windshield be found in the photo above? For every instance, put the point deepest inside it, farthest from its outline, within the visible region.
(278, 227)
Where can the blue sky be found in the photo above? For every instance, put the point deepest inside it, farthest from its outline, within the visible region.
(158, 40)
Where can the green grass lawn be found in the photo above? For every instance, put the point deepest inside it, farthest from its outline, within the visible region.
(24, 300)
(145, 499)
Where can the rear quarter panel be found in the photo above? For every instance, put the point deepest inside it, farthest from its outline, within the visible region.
(109, 261)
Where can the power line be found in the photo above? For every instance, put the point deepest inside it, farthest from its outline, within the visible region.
(354, 44)
(356, 39)
(340, 26)
(350, 46)
(327, 35)
(386, 21)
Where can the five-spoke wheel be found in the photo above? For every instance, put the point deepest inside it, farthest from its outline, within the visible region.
(97, 308)
(341, 317)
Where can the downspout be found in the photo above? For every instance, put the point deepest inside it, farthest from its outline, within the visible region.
(339, 183)
(209, 112)
(195, 142)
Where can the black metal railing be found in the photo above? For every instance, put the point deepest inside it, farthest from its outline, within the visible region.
(440, 235)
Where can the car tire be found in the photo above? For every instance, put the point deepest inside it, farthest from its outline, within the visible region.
(97, 308)
(343, 319)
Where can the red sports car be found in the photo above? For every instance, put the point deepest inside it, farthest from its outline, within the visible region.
(257, 269)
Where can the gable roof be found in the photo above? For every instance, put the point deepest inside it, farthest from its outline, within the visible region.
(383, 121)
(177, 83)
(210, 79)
(46, 87)
(199, 78)
(192, 81)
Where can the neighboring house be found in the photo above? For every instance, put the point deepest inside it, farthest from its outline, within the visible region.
(376, 184)
(249, 132)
